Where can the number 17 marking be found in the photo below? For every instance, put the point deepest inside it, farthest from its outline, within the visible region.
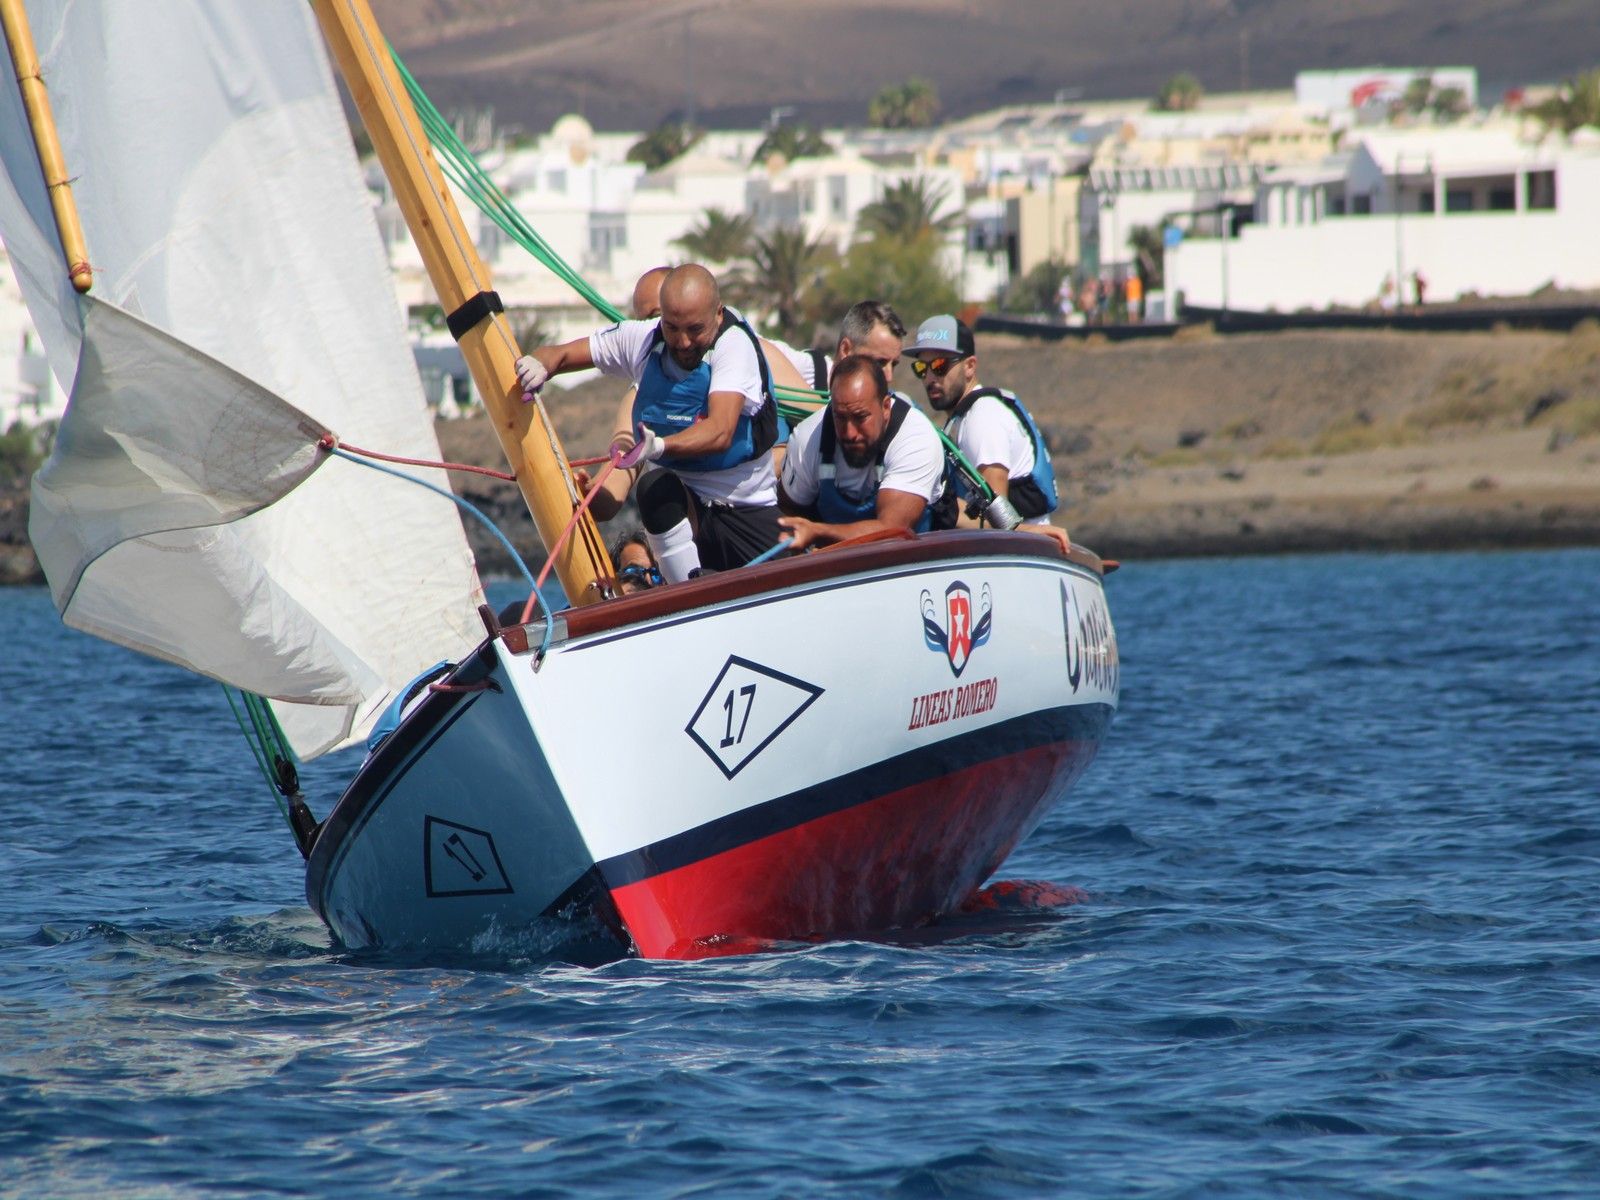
(748, 691)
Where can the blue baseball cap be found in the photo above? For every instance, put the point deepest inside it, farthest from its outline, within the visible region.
(943, 335)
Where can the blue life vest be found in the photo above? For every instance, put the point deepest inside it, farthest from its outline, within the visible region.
(1032, 495)
(666, 406)
(835, 507)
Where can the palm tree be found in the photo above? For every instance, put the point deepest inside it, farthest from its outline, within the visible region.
(908, 209)
(662, 144)
(781, 279)
(1575, 105)
(792, 141)
(720, 238)
(1181, 93)
(909, 105)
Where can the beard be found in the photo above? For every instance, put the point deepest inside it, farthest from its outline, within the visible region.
(688, 360)
(859, 458)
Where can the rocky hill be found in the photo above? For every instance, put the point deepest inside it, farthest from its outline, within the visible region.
(627, 64)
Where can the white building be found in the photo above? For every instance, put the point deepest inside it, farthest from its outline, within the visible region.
(29, 393)
(1472, 210)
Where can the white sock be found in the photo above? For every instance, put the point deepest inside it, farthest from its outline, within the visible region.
(675, 551)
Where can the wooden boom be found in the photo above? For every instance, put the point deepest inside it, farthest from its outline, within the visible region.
(462, 282)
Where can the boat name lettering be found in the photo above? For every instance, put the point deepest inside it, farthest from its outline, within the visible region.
(1092, 660)
(951, 704)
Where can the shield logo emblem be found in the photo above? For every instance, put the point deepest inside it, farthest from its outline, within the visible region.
(962, 631)
(958, 613)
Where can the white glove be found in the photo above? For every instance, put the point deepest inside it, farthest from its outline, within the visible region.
(531, 374)
(648, 448)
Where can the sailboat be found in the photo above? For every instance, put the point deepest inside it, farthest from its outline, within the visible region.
(840, 742)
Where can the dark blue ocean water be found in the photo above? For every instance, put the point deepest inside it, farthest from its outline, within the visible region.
(1342, 855)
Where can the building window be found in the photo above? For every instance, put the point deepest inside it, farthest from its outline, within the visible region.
(1458, 200)
(1502, 199)
(1541, 189)
(607, 232)
(1361, 205)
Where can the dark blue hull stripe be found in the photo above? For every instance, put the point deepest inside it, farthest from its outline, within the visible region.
(1071, 723)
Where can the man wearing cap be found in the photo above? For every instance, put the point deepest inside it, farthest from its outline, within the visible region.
(992, 429)
(867, 461)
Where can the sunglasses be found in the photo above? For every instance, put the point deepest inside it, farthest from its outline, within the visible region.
(921, 366)
(643, 576)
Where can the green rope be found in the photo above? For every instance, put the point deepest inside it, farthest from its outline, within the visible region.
(252, 736)
(462, 169)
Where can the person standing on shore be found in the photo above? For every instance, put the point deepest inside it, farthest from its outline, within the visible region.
(992, 429)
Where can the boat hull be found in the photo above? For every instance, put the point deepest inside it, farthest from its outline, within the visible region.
(848, 742)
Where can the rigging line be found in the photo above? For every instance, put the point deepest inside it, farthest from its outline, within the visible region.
(504, 541)
(328, 441)
(577, 516)
(256, 752)
(468, 253)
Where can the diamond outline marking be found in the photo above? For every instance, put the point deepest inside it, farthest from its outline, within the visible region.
(812, 692)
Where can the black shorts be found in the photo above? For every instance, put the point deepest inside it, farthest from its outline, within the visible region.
(730, 535)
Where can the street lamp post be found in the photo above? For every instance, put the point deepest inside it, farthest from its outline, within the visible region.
(1399, 253)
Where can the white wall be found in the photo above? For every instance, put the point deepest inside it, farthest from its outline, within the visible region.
(1343, 260)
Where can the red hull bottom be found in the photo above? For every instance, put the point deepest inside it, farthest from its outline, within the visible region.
(900, 859)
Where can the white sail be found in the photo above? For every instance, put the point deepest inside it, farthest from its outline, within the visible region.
(242, 306)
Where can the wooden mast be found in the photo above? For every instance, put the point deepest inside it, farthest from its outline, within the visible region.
(36, 101)
(463, 284)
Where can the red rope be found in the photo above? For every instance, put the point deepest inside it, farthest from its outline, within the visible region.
(328, 441)
(577, 515)
(588, 462)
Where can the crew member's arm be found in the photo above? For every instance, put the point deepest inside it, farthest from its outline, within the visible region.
(896, 510)
(735, 383)
(569, 356)
(713, 433)
(613, 494)
(997, 478)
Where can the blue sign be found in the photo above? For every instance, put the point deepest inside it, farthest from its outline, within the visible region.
(1172, 237)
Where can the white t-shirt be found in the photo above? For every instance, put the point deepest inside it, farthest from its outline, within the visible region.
(802, 362)
(989, 434)
(622, 349)
(913, 462)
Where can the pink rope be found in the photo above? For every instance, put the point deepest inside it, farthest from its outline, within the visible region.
(612, 461)
(329, 442)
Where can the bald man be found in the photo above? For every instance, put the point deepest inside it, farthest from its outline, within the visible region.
(706, 416)
(646, 306)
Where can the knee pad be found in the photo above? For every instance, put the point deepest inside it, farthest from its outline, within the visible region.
(663, 501)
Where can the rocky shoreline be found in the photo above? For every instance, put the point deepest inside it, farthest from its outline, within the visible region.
(1251, 444)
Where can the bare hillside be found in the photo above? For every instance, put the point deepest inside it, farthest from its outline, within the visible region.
(626, 64)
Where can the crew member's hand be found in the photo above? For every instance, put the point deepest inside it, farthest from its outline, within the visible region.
(1054, 532)
(648, 448)
(802, 532)
(532, 375)
(581, 480)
